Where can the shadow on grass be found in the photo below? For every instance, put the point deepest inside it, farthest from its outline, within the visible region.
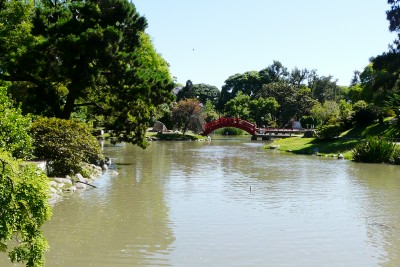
(336, 146)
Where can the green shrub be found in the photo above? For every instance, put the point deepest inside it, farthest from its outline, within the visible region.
(14, 128)
(65, 144)
(329, 131)
(364, 114)
(24, 193)
(375, 150)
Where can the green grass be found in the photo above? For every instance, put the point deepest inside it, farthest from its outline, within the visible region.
(309, 146)
(388, 128)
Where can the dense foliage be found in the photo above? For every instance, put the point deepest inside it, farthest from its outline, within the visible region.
(14, 128)
(24, 209)
(65, 144)
(203, 92)
(67, 56)
(254, 110)
(329, 131)
(375, 150)
(187, 115)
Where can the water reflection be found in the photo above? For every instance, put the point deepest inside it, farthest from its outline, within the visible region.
(381, 187)
(190, 204)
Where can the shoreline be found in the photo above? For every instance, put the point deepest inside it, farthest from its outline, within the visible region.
(61, 186)
(339, 147)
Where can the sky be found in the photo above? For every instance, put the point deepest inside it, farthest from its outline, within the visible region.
(207, 41)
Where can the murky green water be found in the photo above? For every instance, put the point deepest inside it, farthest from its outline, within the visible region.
(228, 203)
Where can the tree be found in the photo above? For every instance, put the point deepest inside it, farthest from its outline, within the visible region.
(86, 53)
(275, 72)
(325, 112)
(24, 192)
(204, 92)
(186, 115)
(239, 106)
(346, 113)
(209, 112)
(251, 109)
(251, 82)
(293, 102)
(263, 108)
(323, 88)
(14, 129)
(186, 92)
(364, 113)
(380, 79)
(297, 77)
(393, 16)
(146, 85)
(248, 83)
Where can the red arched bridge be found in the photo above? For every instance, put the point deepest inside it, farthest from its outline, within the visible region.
(251, 128)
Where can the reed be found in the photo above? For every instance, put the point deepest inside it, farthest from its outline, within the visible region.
(376, 150)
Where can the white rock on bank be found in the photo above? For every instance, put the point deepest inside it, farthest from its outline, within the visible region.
(63, 180)
(80, 186)
(79, 177)
(54, 184)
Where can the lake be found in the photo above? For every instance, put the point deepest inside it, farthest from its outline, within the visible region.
(228, 202)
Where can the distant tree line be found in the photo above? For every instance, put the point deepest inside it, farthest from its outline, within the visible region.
(276, 96)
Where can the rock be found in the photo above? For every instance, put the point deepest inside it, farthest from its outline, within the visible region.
(53, 190)
(80, 186)
(54, 184)
(71, 189)
(104, 167)
(80, 177)
(159, 127)
(340, 156)
(40, 164)
(63, 180)
(54, 198)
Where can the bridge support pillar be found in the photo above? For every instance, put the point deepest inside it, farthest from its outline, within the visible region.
(266, 138)
(254, 137)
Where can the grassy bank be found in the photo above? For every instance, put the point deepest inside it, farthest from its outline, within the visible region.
(344, 144)
(309, 146)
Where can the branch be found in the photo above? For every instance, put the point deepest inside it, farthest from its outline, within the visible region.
(20, 78)
(87, 184)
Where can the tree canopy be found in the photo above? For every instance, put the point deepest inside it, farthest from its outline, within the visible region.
(203, 92)
(64, 55)
(187, 115)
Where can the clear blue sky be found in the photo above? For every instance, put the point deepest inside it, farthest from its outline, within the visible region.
(207, 41)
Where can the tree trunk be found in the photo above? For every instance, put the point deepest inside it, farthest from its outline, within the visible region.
(69, 104)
